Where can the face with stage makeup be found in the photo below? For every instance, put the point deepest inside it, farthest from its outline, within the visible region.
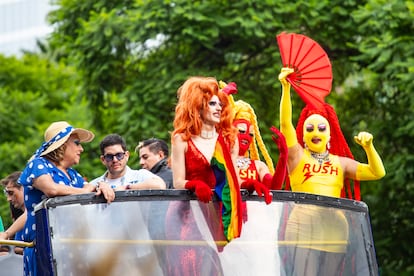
(212, 114)
(245, 135)
(316, 133)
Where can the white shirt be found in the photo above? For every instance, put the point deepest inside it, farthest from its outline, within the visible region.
(130, 177)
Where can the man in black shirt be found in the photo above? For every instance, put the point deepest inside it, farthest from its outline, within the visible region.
(153, 156)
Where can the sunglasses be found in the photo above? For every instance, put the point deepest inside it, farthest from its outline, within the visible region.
(110, 157)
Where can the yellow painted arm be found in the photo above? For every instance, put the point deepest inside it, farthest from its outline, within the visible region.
(286, 125)
(374, 169)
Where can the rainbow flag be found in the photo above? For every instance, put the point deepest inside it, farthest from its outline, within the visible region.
(228, 189)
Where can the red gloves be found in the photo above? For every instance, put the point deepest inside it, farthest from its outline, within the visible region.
(260, 188)
(201, 189)
(281, 167)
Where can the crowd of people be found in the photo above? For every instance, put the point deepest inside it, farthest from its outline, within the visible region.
(213, 153)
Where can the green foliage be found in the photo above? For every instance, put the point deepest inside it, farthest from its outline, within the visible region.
(126, 59)
(387, 54)
(133, 55)
(153, 46)
(33, 93)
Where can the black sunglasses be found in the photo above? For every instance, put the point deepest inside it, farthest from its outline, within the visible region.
(110, 157)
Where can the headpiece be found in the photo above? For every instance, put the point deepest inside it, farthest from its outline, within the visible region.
(243, 110)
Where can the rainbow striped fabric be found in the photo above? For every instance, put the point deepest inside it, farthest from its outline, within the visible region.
(228, 190)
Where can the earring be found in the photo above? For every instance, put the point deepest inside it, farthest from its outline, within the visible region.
(328, 146)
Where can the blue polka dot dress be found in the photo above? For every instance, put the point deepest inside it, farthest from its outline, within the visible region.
(32, 196)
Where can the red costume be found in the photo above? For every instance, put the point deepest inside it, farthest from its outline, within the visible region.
(249, 173)
(181, 224)
(202, 111)
(197, 167)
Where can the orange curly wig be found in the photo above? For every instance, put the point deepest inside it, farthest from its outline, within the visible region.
(193, 97)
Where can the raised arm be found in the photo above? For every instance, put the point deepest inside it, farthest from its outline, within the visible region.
(286, 125)
(281, 167)
(295, 150)
(374, 169)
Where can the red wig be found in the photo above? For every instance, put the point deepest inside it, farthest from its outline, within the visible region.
(338, 144)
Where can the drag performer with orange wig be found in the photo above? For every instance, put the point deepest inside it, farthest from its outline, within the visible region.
(205, 148)
(204, 151)
(320, 162)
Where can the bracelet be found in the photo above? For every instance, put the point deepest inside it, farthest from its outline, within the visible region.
(128, 187)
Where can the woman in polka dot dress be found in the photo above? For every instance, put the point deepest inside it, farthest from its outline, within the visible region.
(48, 174)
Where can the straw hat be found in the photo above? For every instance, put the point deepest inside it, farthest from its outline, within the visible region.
(59, 128)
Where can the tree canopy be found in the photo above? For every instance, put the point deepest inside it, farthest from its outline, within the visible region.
(116, 66)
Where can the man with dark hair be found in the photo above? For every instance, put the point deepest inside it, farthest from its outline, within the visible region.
(114, 156)
(153, 156)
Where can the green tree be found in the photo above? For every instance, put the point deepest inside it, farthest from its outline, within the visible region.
(133, 55)
(33, 93)
(382, 85)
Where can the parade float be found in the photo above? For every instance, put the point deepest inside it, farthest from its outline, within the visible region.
(82, 234)
(163, 232)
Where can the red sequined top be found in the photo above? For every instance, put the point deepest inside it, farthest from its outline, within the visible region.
(197, 167)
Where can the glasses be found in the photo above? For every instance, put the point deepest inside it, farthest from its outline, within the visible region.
(110, 157)
(8, 193)
(77, 142)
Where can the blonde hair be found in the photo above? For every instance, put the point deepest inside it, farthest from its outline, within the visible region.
(243, 110)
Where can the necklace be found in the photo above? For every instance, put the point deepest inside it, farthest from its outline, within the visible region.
(320, 157)
(243, 163)
(208, 134)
